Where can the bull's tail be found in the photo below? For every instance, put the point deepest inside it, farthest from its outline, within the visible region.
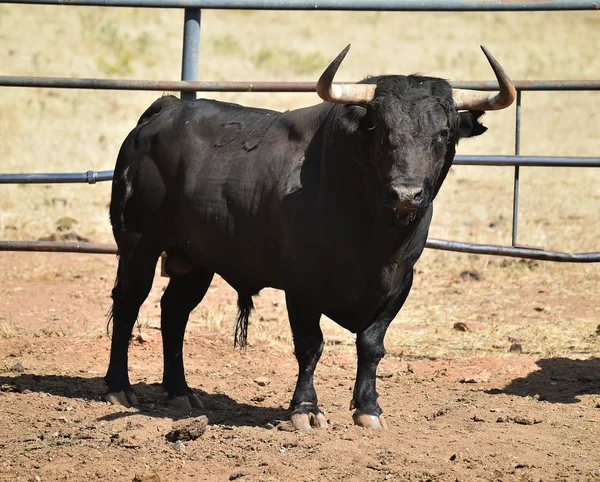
(110, 314)
(245, 306)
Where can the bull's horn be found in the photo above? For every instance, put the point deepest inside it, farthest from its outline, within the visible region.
(477, 100)
(344, 93)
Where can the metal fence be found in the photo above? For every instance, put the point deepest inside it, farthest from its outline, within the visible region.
(188, 87)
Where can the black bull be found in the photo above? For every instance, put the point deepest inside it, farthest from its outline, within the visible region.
(330, 203)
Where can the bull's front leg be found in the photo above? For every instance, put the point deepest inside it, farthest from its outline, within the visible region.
(370, 351)
(308, 346)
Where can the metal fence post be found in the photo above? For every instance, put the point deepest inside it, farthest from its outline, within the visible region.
(191, 49)
(516, 177)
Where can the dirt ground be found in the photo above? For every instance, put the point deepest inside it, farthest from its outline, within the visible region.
(459, 405)
(493, 365)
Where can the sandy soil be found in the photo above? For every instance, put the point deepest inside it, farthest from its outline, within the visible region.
(475, 412)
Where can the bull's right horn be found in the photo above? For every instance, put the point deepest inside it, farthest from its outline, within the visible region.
(343, 93)
(477, 100)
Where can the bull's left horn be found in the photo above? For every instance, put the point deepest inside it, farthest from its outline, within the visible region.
(344, 93)
(476, 100)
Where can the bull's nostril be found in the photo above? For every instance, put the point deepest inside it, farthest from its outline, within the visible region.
(403, 197)
(417, 195)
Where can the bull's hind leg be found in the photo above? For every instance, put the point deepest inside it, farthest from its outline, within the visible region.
(134, 281)
(370, 350)
(182, 295)
(308, 346)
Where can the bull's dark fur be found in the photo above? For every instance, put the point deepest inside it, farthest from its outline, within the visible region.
(331, 203)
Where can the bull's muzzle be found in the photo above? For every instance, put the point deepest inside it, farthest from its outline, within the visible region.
(404, 198)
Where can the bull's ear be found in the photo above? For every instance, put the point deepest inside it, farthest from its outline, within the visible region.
(469, 124)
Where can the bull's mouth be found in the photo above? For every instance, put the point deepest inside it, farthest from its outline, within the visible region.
(403, 217)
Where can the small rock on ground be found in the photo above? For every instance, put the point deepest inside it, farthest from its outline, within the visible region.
(469, 326)
(521, 420)
(482, 377)
(237, 475)
(190, 429)
(516, 348)
(146, 477)
(262, 381)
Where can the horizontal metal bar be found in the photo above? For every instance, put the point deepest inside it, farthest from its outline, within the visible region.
(248, 86)
(486, 249)
(376, 5)
(58, 247)
(90, 177)
(513, 252)
(529, 161)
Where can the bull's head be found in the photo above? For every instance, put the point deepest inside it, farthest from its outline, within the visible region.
(412, 125)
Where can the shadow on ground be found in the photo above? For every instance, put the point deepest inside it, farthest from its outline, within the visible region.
(559, 380)
(219, 408)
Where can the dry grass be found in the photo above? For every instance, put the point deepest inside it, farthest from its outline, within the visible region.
(61, 130)
(7, 329)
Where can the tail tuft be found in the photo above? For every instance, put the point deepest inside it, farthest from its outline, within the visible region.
(245, 306)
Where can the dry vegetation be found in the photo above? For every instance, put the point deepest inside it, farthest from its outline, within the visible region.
(61, 130)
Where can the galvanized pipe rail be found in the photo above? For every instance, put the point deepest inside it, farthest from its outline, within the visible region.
(91, 177)
(188, 87)
(441, 244)
(370, 5)
(261, 86)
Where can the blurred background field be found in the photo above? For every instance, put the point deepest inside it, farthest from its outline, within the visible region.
(74, 131)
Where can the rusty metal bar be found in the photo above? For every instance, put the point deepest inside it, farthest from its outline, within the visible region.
(262, 86)
(58, 247)
(512, 251)
(372, 5)
(432, 243)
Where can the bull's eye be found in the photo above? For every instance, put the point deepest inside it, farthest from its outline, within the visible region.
(441, 138)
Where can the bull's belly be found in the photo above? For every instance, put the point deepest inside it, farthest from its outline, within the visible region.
(246, 261)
